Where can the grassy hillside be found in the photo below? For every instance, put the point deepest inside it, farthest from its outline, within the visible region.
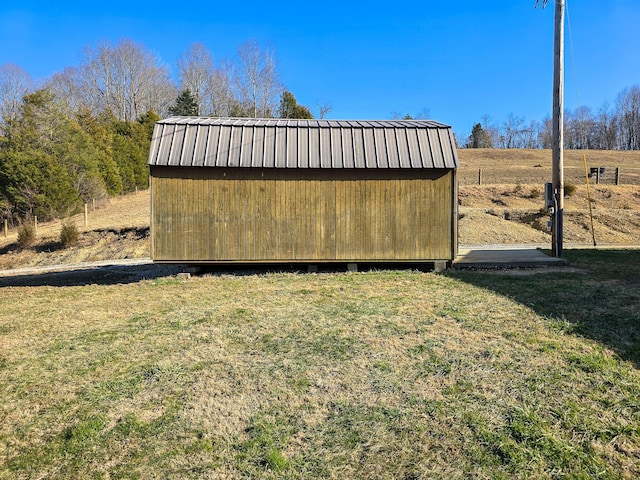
(500, 166)
(393, 374)
(508, 213)
(506, 207)
(116, 228)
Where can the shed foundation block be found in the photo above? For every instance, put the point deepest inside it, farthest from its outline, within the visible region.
(439, 266)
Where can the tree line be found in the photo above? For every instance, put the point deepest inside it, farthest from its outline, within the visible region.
(85, 132)
(614, 127)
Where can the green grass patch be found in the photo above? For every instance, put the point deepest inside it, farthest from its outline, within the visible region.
(390, 374)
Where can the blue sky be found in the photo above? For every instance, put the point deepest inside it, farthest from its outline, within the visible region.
(458, 59)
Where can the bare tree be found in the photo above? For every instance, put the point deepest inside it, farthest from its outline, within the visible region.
(126, 80)
(530, 135)
(628, 112)
(424, 114)
(606, 128)
(196, 70)
(67, 89)
(159, 93)
(511, 130)
(492, 131)
(15, 83)
(258, 80)
(323, 109)
(545, 134)
(211, 85)
(221, 92)
(96, 79)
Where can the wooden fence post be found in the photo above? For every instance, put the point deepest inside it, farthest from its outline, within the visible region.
(479, 176)
(86, 215)
(617, 175)
(35, 223)
(6, 228)
(598, 176)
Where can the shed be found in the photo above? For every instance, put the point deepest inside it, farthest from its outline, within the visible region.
(227, 190)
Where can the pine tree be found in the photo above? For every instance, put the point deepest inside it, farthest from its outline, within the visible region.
(479, 138)
(186, 105)
(289, 107)
(46, 161)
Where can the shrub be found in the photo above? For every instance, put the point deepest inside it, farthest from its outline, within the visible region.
(69, 234)
(26, 235)
(569, 189)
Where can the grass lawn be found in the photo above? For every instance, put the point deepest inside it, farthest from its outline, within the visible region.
(390, 374)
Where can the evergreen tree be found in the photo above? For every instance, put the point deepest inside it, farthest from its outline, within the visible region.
(53, 163)
(238, 109)
(34, 183)
(102, 136)
(185, 105)
(479, 138)
(45, 161)
(131, 143)
(289, 107)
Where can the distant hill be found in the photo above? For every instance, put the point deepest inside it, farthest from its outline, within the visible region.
(513, 166)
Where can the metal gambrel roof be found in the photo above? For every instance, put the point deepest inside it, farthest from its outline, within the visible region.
(283, 143)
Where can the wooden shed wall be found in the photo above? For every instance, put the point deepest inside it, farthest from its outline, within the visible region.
(203, 215)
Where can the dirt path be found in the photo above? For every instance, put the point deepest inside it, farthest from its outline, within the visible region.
(110, 272)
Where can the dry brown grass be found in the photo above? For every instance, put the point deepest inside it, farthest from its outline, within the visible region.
(512, 214)
(122, 212)
(117, 228)
(506, 207)
(534, 166)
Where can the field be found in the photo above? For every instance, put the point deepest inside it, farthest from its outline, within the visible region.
(137, 372)
(117, 228)
(506, 207)
(511, 166)
(389, 374)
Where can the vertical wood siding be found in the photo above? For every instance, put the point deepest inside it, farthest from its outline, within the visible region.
(201, 215)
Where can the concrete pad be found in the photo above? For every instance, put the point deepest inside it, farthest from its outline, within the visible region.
(506, 257)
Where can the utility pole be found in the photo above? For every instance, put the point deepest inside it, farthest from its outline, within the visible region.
(557, 178)
(557, 156)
